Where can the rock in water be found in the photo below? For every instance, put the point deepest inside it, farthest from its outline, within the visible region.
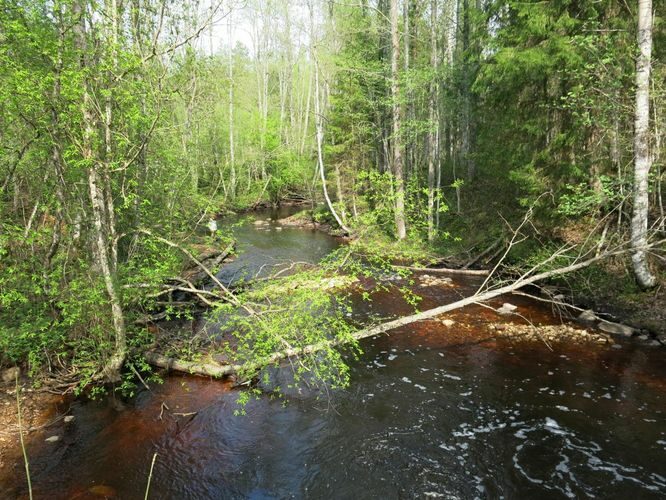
(102, 490)
(507, 308)
(448, 322)
(616, 328)
(587, 316)
(52, 439)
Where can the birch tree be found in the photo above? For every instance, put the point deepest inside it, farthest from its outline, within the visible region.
(102, 221)
(433, 133)
(401, 229)
(642, 158)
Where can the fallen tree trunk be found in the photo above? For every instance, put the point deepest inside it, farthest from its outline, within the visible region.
(445, 270)
(219, 370)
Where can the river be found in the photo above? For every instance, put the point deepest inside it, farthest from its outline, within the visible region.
(431, 412)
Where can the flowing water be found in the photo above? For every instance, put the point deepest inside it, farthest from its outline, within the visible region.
(431, 412)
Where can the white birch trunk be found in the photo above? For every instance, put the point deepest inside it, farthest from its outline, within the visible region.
(433, 157)
(401, 229)
(642, 158)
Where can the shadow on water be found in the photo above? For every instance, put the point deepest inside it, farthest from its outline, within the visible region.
(432, 411)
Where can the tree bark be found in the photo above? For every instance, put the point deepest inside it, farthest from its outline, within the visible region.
(642, 158)
(401, 229)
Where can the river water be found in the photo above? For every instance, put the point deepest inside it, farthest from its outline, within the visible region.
(431, 412)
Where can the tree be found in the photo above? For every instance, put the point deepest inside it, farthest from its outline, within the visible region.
(433, 132)
(642, 158)
(397, 163)
(102, 207)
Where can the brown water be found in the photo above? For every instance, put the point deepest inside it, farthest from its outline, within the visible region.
(431, 412)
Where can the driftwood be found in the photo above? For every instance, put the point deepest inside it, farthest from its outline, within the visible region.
(218, 370)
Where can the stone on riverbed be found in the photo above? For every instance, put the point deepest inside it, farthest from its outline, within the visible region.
(616, 328)
(506, 308)
(448, 322)
(549, 333)
(429, 280)
(52, 439)
(587, 316)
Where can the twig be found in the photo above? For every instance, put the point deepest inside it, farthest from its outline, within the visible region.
(20, 425)
(136, 372)
(150, 476)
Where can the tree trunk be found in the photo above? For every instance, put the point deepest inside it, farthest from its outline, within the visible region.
(101, 252)
(232, 153)
(433, 156)
(466, 125)
(320, 154)
(401, 229)
(642, 158)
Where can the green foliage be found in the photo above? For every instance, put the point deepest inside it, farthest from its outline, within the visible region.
(309, 315)
(581, 199)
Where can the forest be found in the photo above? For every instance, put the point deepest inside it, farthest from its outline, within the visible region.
(316, 248)
(526, 134)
